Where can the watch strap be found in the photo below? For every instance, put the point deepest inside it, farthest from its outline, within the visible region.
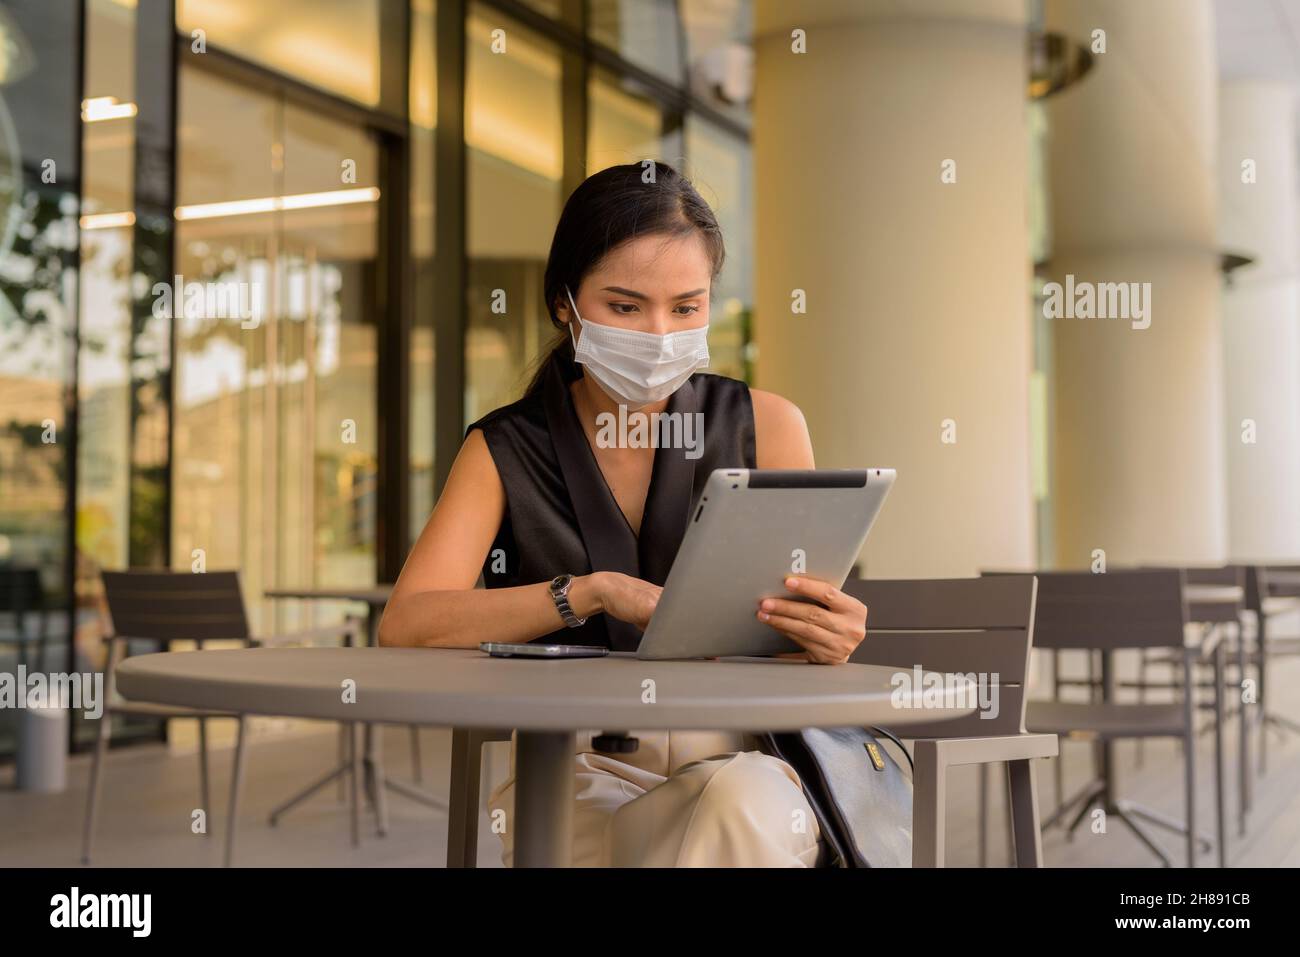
(559, 589)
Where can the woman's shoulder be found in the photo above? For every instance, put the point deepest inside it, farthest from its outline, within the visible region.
(776, 410)
(528, 412)
(781, 432)
(768, 406)
(715, 389)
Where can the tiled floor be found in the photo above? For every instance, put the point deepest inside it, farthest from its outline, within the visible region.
(149, 795)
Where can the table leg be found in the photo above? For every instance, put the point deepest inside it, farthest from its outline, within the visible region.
(375, 779)
(544, 799)
(375, 776)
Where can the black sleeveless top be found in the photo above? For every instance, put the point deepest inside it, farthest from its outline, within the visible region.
(560, 514)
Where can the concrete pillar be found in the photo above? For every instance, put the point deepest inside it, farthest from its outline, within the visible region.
(917, 291)
(1138, 469)
(1261, 319)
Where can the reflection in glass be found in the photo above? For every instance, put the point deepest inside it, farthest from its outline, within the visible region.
(275, 434)
(550, 8)
(721, 166)
(646, 33)
(108, 145)
(39, 171)
(104, 380)
(719, 54)
(331, 44)
(515, 166)
(424, 113)
(623, 125)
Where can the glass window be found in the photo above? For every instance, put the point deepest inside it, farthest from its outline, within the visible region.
(721, 167)
(719, 54)
(623, 124)
(39, 170)
(515, 169)
(550, 8)
(644, 32)
(331, 44)
(424, 112)
(274, 459)
(104, 383)
(108, 144)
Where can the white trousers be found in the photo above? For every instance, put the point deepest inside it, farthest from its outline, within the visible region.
(682, 799)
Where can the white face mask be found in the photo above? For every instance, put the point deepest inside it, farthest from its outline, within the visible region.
(638, 368)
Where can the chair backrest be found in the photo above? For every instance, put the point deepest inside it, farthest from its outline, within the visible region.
(1225, 575)
(1215, 611)
(1120, 608)
(176, 606)
(1276, 581)
(21, 590)
(978, 627)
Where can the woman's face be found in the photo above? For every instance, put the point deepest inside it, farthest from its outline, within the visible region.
(657, 284)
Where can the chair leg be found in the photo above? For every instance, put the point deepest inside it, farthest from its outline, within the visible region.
(463, 798)
(356, 733)
(378, 780)
(96, 784)
(1243, 734)
(929, 780)
(342, 759)
(1261, 703)
(205, 794)
(236, 786)
(1220, 816)
(1140, 756)
(1189, 754)
(1011, 824)
(116, 648)
(1026, 832)
(416, 771)
(1058, 774)
(983, 812)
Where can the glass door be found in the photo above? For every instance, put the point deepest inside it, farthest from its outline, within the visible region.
(275, 433)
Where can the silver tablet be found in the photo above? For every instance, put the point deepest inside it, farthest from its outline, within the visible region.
(750, 530)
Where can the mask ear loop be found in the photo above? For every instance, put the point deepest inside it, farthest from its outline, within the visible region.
(574, 306)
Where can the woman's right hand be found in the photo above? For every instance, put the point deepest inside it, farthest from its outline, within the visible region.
(626, 598)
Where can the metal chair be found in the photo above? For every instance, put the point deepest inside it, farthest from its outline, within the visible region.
(979, 627)
(21, 595)
(1126, 609)
(159, 607)
(1216, 599)
(1271, 590)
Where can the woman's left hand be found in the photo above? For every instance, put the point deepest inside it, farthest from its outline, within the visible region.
(828, 630)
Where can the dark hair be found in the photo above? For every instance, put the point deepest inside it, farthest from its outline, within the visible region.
(608, 209)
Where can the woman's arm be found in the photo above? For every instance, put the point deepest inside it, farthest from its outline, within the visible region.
(435, 603)
(830, 630)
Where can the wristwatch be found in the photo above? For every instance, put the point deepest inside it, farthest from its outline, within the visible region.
(559, 587)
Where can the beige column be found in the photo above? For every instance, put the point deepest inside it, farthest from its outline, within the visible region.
(1138, 470)
(1261, 319)
(916, 327)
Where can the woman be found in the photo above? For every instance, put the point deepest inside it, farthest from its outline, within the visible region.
(575, 532)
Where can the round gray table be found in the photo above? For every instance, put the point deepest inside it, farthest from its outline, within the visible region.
(546, 701)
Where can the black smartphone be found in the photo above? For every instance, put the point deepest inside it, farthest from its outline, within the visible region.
(509, 649)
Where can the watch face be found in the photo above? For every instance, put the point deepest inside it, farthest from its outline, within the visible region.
(560, 582)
